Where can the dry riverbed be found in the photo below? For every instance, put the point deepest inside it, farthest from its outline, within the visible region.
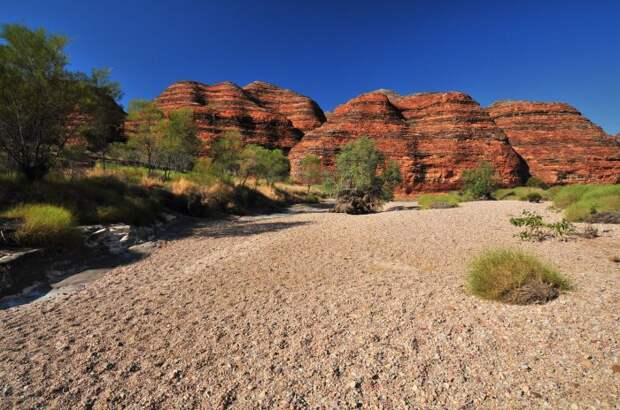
(326, 311)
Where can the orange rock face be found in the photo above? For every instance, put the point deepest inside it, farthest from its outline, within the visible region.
(433, 137)
(262, 113)
(304, 113)
(558, 143)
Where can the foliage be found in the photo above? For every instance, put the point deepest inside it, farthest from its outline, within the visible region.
(202, 172)
(535, 182)
(536, 229)
(179, 144)
(480, 182)
(310, 171)
(357, 181)
(43, 224)
(225, 154)
(584, 202)
(438, 201)
(390, 178)
(38, 95)
(104, 117)
(519, 193)
(534, 197)
(89, 198)
(144, 138)
(263, 163)
(168, 143)
(513, 276)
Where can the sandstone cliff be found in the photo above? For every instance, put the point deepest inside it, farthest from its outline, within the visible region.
(262, 113)
(433, 136)
(558, 143)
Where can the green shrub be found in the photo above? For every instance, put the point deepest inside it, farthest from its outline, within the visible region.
(44, 225)
(438, 201)
(581, 202)
(534, 197)
(535, 182)
(536, 229)
(513, 276)
(480, 182)
(569, 194)
(586, 208)
(519, 193)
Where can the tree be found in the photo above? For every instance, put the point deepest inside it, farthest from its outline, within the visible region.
(274, 164)
(103, 117)
(357, 185)
(179, 144)
(225, 154)
(146, 131)
(37, 97)
(480, 182)
(310, 170)
(250, 165)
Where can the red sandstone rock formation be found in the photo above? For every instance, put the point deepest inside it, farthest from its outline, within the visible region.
(304, 113)
(433, 136)
(558, 143)
(262, 113)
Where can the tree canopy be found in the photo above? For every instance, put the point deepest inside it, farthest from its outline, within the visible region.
(38, 94)
(357, 184)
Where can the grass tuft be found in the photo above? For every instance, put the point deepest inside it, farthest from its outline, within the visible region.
(521, 193)
(438, 201)
(581, 202)
(512, 276)
(44, 225)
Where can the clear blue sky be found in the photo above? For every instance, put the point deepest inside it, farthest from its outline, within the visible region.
(332, 51)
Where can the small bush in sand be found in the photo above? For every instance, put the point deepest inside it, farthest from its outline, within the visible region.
(615, 259)
(536, 229)
(480, 182)
(44, 225)
(438, 201)
(514, 277)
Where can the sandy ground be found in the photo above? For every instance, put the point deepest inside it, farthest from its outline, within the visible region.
(324, 311)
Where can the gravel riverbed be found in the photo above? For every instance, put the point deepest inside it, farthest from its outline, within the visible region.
(324, 310)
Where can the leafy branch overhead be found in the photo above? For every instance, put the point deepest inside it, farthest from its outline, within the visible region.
(39, 95)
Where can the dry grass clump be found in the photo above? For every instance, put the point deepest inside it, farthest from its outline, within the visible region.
(514, 277)
(44, 225)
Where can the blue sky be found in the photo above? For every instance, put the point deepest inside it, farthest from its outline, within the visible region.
(332, 51)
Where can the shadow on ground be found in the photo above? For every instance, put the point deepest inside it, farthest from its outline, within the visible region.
(52, 271)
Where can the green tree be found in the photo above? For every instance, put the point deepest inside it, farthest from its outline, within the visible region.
(146, 132)
(358, 186)
(225, 154)
(274, 165)
(178, 146)
(262, 163)
(37, 96)
(250, 165)
(310, 171)
(103, 116)
(480, 182)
